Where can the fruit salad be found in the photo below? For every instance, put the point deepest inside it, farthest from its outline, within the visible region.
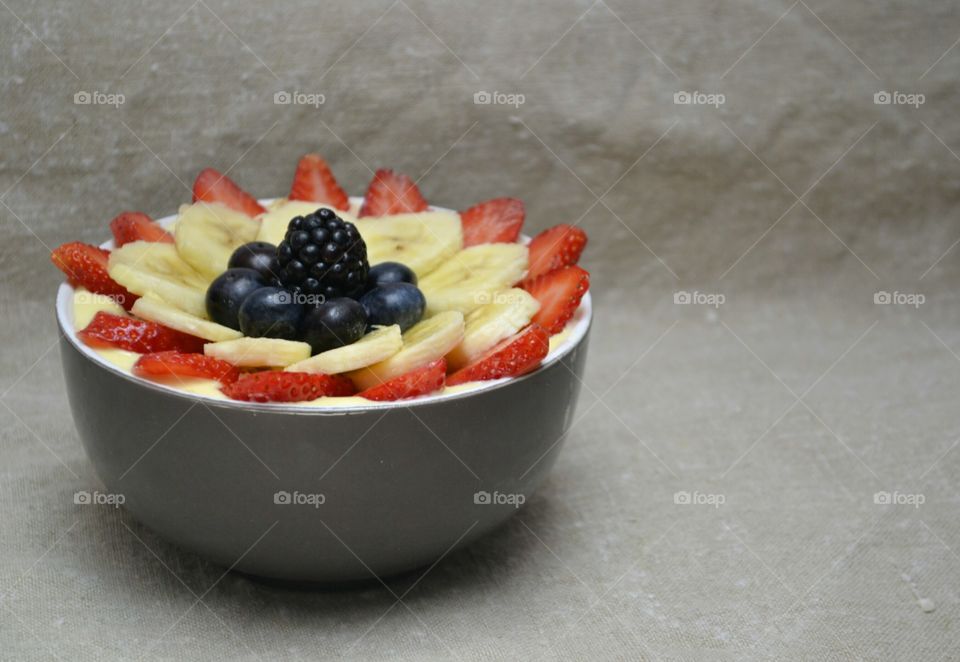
(315, 298)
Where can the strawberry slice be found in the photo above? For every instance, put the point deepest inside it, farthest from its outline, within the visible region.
(211, 186)
(392, 193)
(177, 364)
(314, 182)
(132, 226)
(496, 221)
(555, 247)
(109, 330)
(559, 293)
(419, 381)
(86, 265)
(279, 386)
(517, 355)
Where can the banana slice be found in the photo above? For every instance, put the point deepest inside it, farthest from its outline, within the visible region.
(258, 352)
(422, 241)
(156, 310)
(207, 234)
(374, 347)
(145, 267)
(273, 223)
(424, 342)
(473, 276)
(510, 311)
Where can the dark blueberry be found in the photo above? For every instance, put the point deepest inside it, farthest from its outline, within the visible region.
(271, 312)
(394, 303)
(390, 272)
(257, 255)
(228, 291)
(332, 324)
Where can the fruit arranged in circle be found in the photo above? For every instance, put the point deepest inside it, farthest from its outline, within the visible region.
(559, 293)
(271, 312)
(419, 381)
(390, 272)
(257, 255)
(87, 266)
(555, 247)
(131, 334)
(372, 348)
(334, 323)
(314, 182)
(394, 303)
(258, 352)
(130, 226)
(515, 356)
(493, 221)
(228, 291)
(473, 276)
(484, 327)
(322, 254)
(423, 241)
(211, 186)
(391, 193)
(159, 311)
(177, 364)
(158, 270)
(273, 386)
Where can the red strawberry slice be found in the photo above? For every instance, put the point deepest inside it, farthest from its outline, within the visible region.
(555, 247)
(314, 182)
(86, 265)
(559, 293)
(392, 193)
(517, 355)
(492, 222)
(211, 186)
(419, 381)
(136, 226)
(279, 386)
(177, 364)
(109, 330)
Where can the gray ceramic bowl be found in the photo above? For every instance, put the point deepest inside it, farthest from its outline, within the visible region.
(324, 495)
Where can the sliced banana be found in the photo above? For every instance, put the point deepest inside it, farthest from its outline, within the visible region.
(374, 347)
(424, 342)
(207, 234)
(156, 310)
(258, 352)
(145, 267)
(484, 327)
(273, 223)
(473, 276)
(422, 241)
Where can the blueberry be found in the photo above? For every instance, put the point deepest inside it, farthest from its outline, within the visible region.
(271, 312)
(228, 291)
(334, 323)
(394, 303)
(257, 255)
(390, 272)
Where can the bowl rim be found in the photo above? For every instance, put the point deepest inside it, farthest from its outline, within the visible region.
(64, 304)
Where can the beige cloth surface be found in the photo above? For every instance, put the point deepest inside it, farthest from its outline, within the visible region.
(793, 402)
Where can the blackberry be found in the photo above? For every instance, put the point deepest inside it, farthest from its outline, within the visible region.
(322, 254)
